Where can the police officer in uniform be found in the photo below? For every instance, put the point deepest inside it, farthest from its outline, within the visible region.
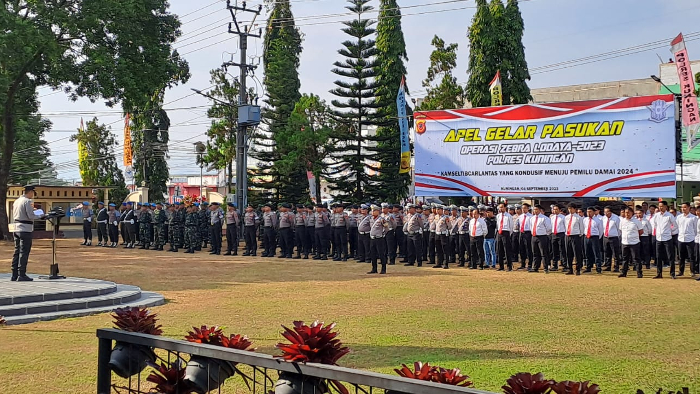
(130, 223)
(300, 231)
(87, 223)
(204, 224)
(102, 218)
(377, 244)
(172, 227)
(216, 224)
(424, 211)
(286, 237)
(390, 235)
(310, 243)
(363, 229)
(353, 219)
(113, 225)
(321, 220)
(413, 230)
(180, 233)
(23, 216)
(270, 225)
(250, 222)
(399, 233)
(339, 225)
(233, 220)
(442, 245)
(432, 247)
(463, 236)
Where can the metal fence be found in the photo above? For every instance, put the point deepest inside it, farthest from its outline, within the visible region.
(262, 370)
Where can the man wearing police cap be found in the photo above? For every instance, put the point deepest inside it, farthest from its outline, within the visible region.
(339, 225)
(23, 216)
(353, 220)
(233, 220)
(102, 218)
(300, 231)
(286, 238)
(413, 228)
(378, 229)
(363, 229)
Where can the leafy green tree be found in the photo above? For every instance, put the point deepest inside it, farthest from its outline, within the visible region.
(390, 70)
(31, 156)
(221, 134)
(515, 68)
(150, 137)
(447, 93)
(308, 134)
(100, 168)
(88, 47)
(351, 159)
(282, 49)
(482, 63)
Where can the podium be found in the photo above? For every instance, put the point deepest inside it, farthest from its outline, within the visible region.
(54, 217)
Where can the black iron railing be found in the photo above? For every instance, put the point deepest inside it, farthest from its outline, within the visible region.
(261, 370)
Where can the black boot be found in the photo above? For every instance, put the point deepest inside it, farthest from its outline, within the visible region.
(228, 253)
(15, 275)
(306, 257)
(23, 277)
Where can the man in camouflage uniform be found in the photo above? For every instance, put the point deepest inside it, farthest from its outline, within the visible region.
(173, 227)
(144, 229)
(159, 219)
(191, 228)
(181, 212)
(198, 234)
(204, 219)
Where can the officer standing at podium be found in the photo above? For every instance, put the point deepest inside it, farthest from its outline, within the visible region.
(23, 216)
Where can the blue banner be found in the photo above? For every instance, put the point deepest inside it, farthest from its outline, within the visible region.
(403, 127)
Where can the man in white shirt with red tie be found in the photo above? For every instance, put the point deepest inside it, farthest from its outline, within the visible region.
(477, 231)
(611, 240)
(504, 227)
(525, 231)
(574, 240)
(663, 222)
(558, 238)
(687, 231)
(630, 230)
(541, 229)
(593, 230)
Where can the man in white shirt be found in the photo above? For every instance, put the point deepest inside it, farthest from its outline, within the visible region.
(515, 235)
(593, 231)
(611, 239)
(663, 221)
(574, 240)
(687, 232)
(525, 237)
(504, 227)
(23, 217)
(477, 231)
(645, 239)
(630, 228)
(650, 217)
(558, 238)
(541, 230)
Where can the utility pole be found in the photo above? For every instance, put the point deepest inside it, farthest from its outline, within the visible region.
(243, 33)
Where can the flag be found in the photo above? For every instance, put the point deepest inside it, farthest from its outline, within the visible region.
(128, 154)
(82, 149)
(312, 185)
(496, 90)
(689, 101)
(403, 128)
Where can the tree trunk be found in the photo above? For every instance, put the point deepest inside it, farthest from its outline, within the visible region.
(6, 148)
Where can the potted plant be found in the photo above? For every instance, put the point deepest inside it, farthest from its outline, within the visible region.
(527, 383)
(204, 373)
(169, 379)
(428, 373)
(569, 387)
(126, 359)
(309, 344)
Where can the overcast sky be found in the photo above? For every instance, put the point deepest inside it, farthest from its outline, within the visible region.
(556, 31)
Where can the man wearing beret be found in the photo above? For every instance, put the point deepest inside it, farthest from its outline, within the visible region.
(130, 223)
(113, 225)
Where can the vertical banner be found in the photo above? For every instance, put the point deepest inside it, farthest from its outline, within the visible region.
(691, 113)
(496, 90)
(403, 127)
(82, 148)
(312, 185)
(128, 154)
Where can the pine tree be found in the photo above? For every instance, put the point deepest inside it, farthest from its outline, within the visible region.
(447, 93)
(390, 69)
(517, 73)
(482, 64)
(150, 136)
(100, 166)
(31, 157)
(349, 176)
(281, 62)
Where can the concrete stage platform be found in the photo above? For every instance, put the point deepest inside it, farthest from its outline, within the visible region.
(43, 299)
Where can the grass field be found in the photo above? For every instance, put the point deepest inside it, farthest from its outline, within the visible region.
(622, 334)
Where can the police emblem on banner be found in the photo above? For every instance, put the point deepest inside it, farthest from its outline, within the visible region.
(420, 126)
(658, 111)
